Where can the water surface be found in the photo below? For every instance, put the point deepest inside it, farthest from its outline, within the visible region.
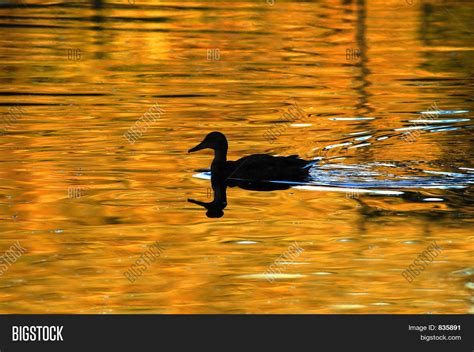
(387, 93)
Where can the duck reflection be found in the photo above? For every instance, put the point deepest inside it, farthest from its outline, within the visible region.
(215, 209)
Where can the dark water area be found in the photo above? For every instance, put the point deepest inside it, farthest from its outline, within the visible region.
(384, 91)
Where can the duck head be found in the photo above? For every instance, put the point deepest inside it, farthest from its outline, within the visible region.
(214, 140)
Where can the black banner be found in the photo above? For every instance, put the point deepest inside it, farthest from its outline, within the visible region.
(169, 332)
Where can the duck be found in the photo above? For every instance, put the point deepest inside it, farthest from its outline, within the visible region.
(255, 167)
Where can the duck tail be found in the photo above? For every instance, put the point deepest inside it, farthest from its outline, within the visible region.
(311, 163)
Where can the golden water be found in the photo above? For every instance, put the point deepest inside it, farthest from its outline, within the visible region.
(85, 203)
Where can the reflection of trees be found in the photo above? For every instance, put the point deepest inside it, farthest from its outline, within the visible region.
(362, 105)
(442, 24)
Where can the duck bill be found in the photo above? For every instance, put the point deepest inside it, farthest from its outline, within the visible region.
(198, 202)
(200, 146)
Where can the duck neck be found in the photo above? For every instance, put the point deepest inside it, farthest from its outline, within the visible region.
(220, 155)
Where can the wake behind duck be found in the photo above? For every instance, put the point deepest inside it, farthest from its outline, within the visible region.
(282, 172)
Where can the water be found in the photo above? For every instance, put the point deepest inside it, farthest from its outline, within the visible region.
(386, 90)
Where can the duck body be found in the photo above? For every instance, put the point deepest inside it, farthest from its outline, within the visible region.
(264, 167)
(253, 168)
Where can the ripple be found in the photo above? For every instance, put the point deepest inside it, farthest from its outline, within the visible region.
(348, 306)
(293, 263)
(345, 190)
(277, 276)
(301, 125)
(363, 138)
(351, 118)
(444, 129)
(451, 174)
(444, 112)
(360, 145)
(440, 121)
(464, 272)
(381, 304)
(337, 145)
(322, 273)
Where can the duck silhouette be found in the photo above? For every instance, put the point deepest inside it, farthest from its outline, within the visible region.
(256, 168)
